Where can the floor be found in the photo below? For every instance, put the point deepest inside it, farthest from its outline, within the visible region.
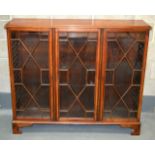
(76, 131)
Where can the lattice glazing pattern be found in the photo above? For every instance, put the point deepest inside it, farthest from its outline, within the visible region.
(31, 73)
(77, 68)
(123, 74)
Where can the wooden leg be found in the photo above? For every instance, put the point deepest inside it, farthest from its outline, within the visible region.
(135, 129)
(16, 129)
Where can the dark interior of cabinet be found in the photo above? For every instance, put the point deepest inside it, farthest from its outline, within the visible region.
(123, 72)
(31, 73)
(77, 69)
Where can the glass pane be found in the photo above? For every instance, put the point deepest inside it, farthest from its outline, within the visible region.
(77, 64)
(126, 40)
(88, 54)
(22, 97)
(63, 74)
(42, 97)
(137, 77)
(66, 53)
(135, 55)
(66, 97)
(30, 39)
(77, 40)
(31, 69)
(114, 54)
(45, 77)
(17, 76)
(109, 77)
(132, 98)
(123, 74)
(31, 73)
(40, 55)
(111, 98)
(77, 74)
(120, 111)
(19, 53)
(87, 98)
(90, 77)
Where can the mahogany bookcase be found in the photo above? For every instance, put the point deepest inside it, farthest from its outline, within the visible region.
(77, 71)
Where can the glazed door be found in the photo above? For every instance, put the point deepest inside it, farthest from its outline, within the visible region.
(29, 51)
(77, 73)
(123, 73)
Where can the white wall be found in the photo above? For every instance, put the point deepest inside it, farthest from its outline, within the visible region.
(149, 88)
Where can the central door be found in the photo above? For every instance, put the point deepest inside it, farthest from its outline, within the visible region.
(77, 74)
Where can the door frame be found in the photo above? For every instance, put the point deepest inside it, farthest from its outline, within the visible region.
(56, 73)
(103, 76)
(11, 72)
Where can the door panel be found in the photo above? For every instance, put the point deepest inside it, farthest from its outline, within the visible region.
(31, 73)
(77, 73)
(123, 74)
